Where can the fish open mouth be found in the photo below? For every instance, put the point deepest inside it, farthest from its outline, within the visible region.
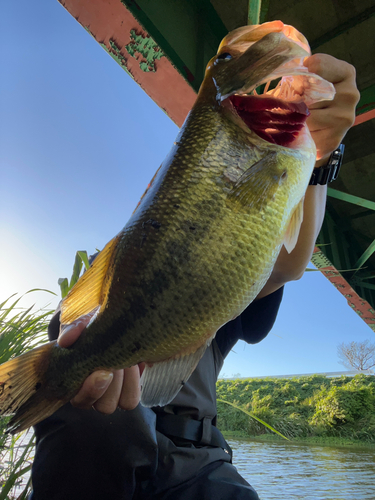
(279, 115)
(275, 120)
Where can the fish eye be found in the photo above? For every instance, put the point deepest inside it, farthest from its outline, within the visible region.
(225, 56)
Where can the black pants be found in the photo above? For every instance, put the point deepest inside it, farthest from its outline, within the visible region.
(217, 481)
(83, 455)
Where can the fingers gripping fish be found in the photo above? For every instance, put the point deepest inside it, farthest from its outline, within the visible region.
(204, 238)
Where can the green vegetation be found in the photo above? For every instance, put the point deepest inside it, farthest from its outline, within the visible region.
(81, 261)
(20, 330)
(314, 408)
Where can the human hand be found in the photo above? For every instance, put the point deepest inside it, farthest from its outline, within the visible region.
(104, 390)
(330, 120)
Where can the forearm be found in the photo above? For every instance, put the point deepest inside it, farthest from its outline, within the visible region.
(289, 267)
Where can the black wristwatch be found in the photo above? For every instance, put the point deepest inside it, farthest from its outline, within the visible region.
(328, 173)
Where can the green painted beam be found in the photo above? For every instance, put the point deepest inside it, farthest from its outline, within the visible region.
(253, 14)
(341, 28)
(264, 11)
(356, 200)
(342, 248)
(355, 281)
(365, 256)
(366, 213)
(367, 101)
(368, 277)
(187, 32)
(335, 243)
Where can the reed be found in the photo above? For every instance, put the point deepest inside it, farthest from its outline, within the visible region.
(21, 329)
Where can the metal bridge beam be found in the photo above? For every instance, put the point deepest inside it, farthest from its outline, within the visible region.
(366, 255)
(341, 28)
(356, 200)
(253, 15)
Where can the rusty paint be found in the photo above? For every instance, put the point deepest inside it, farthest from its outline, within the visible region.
(146, 48)
(115, 53)
(109, 20)
(359, 305)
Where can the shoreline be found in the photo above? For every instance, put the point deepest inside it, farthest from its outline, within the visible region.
(312, 440)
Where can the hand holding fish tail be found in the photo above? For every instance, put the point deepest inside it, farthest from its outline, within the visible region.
(329, 121)
(104, 390)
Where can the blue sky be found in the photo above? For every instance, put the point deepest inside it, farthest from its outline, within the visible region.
(79, 141)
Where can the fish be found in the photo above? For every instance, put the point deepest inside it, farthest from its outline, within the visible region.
(204, 238)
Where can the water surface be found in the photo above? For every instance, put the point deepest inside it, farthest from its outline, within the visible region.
(288, 471)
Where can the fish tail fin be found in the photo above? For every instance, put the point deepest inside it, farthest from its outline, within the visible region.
(23, 390)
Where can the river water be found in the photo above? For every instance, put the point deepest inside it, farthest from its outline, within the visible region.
(289, 471)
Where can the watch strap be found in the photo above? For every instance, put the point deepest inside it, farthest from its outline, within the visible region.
(330, 172)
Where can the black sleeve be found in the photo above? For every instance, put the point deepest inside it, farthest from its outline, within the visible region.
(253, 325)
(54, 325)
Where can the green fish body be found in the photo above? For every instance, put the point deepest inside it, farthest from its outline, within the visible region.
(197, 250)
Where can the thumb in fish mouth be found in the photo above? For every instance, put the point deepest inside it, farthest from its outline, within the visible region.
(70, 333)
(242, 73)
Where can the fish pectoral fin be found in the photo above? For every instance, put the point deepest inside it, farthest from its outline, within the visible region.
(86, 295)
(162, 381)
(257, 184)
(292, 232)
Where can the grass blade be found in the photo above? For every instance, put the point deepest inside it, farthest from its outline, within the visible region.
(253, 416)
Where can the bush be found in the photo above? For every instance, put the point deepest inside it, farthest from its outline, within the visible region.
(343, 405)
(303, 407)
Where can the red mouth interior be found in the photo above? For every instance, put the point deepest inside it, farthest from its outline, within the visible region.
(274, 120)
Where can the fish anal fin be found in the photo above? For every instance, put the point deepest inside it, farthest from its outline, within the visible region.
(257, 184)
(86, 295)
(292, 232)
(162, 381)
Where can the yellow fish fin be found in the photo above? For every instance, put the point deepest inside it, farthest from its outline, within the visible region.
(86, 295)
(161, 382)
(257, 184)
(292, 232)
(24, 389)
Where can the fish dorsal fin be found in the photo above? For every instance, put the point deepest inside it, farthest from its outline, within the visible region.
(257, 184)
(161, 382)
(292, 232)
(85, 296)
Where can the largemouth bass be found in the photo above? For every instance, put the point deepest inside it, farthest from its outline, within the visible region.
(203, 240)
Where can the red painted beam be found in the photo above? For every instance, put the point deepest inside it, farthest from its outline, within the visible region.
(359, 305)
(365, 117)
(114, 27)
